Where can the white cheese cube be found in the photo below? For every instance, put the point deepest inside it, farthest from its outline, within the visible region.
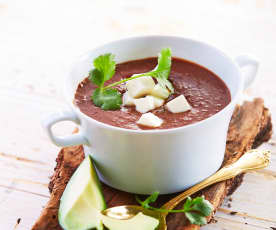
(159, 91)
(150, 120)
(127, 99)
(157, 101)
(140, 86)
(144, 104)
(178, 105)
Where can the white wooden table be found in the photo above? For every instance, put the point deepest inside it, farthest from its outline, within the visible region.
(38, 41)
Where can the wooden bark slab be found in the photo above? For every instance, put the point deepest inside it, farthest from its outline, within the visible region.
(250, 126)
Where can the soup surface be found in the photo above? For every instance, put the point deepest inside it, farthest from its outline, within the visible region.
(205, 92)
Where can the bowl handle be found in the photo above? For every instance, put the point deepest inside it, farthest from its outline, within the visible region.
(253, 64)
(74, 139)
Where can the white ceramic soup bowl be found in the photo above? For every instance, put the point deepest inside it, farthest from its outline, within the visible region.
(144, 161)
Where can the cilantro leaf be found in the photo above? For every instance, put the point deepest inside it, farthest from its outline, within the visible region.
(187, 203)
(96, 77)
(152, 198)
(196, 210)
(163, 68)
(195, 218)
(109, 99)
(106, 64)
(198, 199)
(104, 69)
(204, 207)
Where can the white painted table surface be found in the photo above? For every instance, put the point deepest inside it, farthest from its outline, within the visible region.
(38, 41)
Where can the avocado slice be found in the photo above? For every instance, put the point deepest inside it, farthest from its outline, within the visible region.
(82, 200)
(138, 222)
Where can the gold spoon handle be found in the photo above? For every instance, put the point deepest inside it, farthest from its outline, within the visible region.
(251, 160)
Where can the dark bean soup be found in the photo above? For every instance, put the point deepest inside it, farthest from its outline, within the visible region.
(205, 92)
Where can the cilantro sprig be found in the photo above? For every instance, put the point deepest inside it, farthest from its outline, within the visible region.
(196, 210)
(108, 98)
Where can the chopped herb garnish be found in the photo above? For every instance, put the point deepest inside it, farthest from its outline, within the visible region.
(162, 70)
(109, 98)
(196, 210)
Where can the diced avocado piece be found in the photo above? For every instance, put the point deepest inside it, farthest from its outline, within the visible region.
(138, 222)
(82, 200)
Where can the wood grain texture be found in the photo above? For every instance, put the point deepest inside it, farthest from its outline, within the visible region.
(250, 126)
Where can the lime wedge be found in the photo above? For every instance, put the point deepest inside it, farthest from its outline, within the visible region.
(82, 200)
